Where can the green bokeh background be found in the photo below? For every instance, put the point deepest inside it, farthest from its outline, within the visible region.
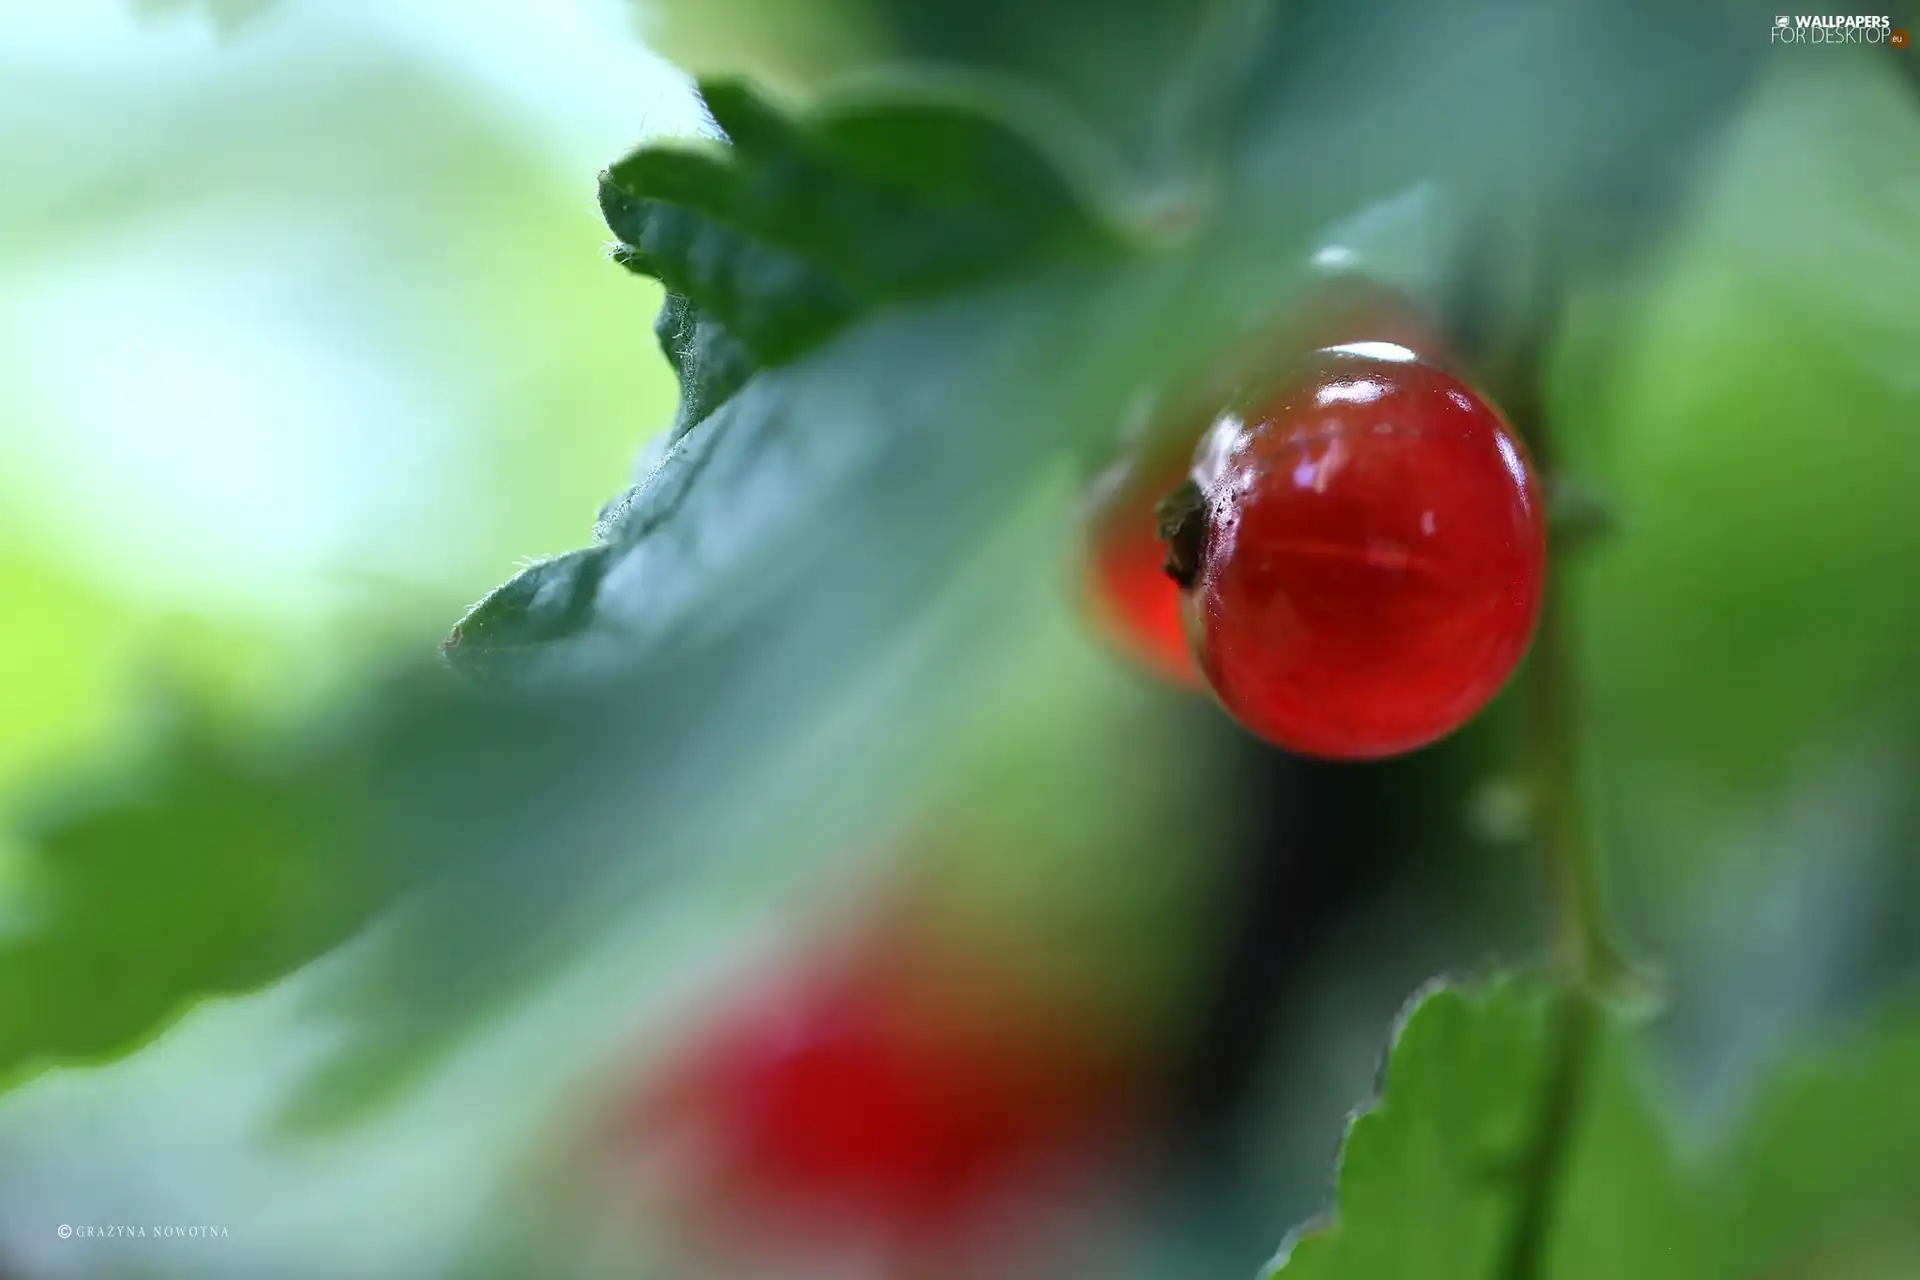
(306, 341)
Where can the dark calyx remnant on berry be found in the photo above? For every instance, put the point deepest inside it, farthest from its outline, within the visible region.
(1182, 519)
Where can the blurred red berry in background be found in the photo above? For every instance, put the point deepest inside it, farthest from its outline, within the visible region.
(1130, 597)
(874, 1103)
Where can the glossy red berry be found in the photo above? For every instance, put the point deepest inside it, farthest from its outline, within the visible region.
(1363, 553)
(1130, 597)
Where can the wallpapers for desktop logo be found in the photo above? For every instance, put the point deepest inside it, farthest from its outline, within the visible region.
(1807, 28)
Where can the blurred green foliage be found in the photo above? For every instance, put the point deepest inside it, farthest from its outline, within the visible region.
(829, 618)
(1752, 627)
(1752, 424)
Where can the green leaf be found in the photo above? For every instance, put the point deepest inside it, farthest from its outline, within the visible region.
(709, 362)
(210, 872)
(774, 242)
(1506, 1140)
(546, 601)
(1440, 1174)
(744, 602)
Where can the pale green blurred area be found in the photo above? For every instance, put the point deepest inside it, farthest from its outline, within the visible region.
(281, 380)
(1749, 402)
(306, 341)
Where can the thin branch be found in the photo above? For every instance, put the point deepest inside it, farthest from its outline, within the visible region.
(1571, 1034)
(1563, 825)
(1511, 316)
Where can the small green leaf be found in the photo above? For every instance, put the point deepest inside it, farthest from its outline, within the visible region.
(545, 601)
(1441, 1175)
(1507, 1142)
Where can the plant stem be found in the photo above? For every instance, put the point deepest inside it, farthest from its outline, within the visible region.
(1512, 316)
(1570, 1050)
(1582, 954)
(1563, 826)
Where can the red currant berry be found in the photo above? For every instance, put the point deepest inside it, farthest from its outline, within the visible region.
(1130, 598)
(1363, 555)
(876, 1105)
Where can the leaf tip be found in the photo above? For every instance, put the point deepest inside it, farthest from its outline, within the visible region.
(547, 601)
